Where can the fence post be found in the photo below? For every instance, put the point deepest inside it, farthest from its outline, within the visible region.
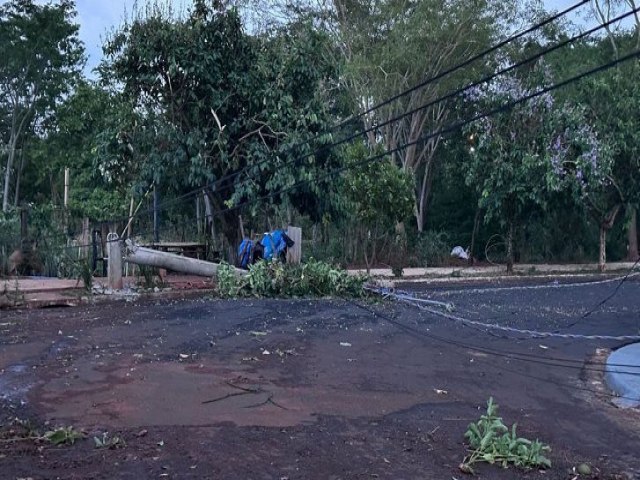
(294, 254)
(114, 265)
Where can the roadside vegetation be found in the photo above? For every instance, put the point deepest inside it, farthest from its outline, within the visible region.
(491, 441)
(236, 117)
(275, 279)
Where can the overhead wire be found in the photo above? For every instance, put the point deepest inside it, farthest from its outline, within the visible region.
(186, 196)
(408, 91)
(440, 132)
(495, 353)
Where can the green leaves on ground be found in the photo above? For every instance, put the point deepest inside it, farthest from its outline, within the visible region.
(112, 443)
(492, 442)
(275, 279)
(63, 436)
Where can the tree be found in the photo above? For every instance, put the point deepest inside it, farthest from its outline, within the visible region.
(42, 57)
(390, 46)
(519, 158)
(213, 105)
(78, 126)
(614, 102)
(379, 196)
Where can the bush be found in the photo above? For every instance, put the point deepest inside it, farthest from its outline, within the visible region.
(9, 237)
(432, 249)
(275, 279)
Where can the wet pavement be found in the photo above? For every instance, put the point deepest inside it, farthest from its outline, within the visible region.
(315, 388)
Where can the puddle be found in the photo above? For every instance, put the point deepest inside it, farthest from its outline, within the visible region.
(171, 393)
(623, 375)
(15, 383)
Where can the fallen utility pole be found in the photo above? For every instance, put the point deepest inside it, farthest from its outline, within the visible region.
(170, 261)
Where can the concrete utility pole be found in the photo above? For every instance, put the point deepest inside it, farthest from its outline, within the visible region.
(170, 261)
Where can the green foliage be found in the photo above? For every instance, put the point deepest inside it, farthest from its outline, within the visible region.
(275, 279)
(379, 193)
(41, 61)
(149, 277)
(208, 100)
(109, 442)
(432, 249)
(63, 436)
(519, 160)
(9, 237)
(378, 196)
(493, 442)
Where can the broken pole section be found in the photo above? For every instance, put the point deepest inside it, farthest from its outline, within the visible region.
(294, 254)
(170, 261)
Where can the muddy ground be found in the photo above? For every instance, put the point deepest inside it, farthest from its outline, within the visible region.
(313, 389)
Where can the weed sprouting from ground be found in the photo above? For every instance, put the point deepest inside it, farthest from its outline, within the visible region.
(493, 442)
(23, 430)
(63, 436)
(275, 279)
(109, 442)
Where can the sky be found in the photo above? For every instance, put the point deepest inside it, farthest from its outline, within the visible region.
(99, 17)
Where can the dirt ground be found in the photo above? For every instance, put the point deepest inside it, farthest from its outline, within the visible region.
(202, 388)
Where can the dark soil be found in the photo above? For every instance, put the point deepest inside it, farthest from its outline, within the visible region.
(306, 389)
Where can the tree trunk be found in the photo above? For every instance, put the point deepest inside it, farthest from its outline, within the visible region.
(7, 175)
(16, 198)
(632, 234)
(510, 249)
(474, 234)
(602, 258)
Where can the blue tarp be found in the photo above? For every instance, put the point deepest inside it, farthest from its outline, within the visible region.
(274, 244)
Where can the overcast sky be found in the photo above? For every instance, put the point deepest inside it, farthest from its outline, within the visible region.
(97, 17)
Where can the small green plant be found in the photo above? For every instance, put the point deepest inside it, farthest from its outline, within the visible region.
(397, 270)
(63, 435)
(149, 277)
(112, 443)
(229, 283)
(491, 441)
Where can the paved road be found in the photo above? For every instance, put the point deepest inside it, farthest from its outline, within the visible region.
(314, 388)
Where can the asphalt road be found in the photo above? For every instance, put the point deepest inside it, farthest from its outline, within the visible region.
(305, 389)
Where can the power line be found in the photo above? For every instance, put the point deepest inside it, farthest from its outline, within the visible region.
(441, 132)
(419, 333)
(448, 96)
(603, 301)
(470, 61)
(419, 86)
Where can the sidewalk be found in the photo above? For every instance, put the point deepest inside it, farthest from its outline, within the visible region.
(471, 272)
(37, 292)
(42, 292)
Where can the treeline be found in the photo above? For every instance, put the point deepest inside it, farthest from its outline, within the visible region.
(390, 130)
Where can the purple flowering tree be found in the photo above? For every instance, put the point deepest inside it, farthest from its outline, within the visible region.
(518, 159)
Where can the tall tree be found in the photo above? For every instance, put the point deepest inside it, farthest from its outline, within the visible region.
(392, 45)
(614, 101)
(42, 57)
(211, 101)
(519, 158)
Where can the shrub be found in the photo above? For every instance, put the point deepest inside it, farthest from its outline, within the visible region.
(275, 279)
(492, 442)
